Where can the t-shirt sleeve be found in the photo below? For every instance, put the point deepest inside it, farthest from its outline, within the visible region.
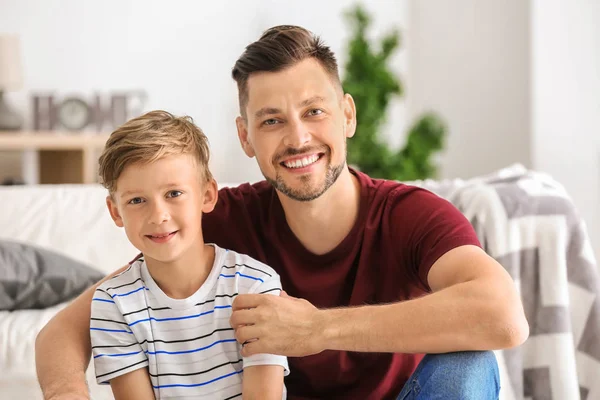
(427, 226)
(115, 349)
(271, 286)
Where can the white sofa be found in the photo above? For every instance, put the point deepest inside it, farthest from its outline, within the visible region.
(73, 220)
(68, 219)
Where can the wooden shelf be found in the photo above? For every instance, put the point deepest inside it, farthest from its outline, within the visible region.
(50, 140)
(64, 157)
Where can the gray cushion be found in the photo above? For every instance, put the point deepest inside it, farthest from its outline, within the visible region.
(34, 278)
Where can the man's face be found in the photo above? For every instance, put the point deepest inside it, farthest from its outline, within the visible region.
(296, 125)
(160, 205)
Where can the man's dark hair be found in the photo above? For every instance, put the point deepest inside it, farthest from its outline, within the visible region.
(278, 48)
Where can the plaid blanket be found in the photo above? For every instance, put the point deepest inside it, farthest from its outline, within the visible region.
(528, 223)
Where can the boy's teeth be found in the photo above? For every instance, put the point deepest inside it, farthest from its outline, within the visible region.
(303, 162)
(160, 236)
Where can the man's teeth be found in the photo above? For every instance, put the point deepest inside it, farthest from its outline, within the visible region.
(302, 162)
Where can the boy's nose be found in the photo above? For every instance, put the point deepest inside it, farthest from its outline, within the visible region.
(159, 215)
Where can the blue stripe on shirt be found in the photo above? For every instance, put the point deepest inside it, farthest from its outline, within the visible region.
(191, 351)
(104, 300)
(167, 352)
(197, 384)
(120, 294)
(118, 355)
(177, 318)
(242, 275)
(128, 293)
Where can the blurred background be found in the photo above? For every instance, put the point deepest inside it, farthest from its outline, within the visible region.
(447, 92)
(463, 88)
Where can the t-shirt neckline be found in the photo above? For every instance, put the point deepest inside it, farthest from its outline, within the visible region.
(196, 297)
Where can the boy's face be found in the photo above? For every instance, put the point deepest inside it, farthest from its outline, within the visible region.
(296, 125)
(160, 205)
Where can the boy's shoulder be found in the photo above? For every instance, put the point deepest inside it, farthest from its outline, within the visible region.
(126, 280)
(233, 262)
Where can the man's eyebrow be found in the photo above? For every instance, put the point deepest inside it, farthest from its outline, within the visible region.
(271, 110)
(312, 100)
(266, 111)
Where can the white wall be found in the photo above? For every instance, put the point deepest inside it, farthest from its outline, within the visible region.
(566, 100)
(180, 52)
(517, 81)
(469, 61)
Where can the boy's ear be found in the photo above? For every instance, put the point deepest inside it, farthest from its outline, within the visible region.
(114, 211)
(211, 195)
(242, 129)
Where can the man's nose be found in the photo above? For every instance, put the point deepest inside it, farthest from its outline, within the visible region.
(297, 134)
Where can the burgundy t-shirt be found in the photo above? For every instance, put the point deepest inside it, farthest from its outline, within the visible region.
(400, 232)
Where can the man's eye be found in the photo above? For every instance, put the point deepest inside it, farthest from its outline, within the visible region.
(316, 111)
(174, 193)
(136, 200)
(271, 121)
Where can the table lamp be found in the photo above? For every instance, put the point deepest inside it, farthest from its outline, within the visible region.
(10, 80)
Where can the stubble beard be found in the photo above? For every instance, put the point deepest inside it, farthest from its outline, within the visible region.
(307, 192)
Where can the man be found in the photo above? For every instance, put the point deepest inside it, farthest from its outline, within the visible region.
(377, 272)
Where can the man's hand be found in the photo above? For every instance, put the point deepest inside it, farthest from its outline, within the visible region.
(281, 325)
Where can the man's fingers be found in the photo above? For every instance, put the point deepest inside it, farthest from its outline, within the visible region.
(252, 348)
(285, 295)
(242, 317)
(245, 334)
(243, 301)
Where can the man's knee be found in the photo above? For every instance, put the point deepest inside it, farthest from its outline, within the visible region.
(471, 362)
(461, 375)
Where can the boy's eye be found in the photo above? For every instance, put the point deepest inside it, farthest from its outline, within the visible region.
(316, 111)
(135, 200)
(174, 193)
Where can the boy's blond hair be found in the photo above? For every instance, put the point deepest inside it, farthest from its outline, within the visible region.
(148, 138)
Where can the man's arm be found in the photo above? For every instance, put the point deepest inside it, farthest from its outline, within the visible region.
(264, 382)
(62, 349)
(133, 385)
(474, 306)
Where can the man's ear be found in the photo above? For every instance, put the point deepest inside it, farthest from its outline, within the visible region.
(349, 116)
(211, 195)
(114, 211)
(242, 129)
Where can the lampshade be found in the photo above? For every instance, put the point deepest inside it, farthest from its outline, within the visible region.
(11, 77)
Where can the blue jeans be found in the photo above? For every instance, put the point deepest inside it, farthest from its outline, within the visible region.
(467, 375)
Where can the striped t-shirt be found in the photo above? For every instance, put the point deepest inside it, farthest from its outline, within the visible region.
(187, 344)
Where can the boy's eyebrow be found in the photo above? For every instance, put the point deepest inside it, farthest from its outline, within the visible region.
(135, 191)
(128, 193)
(271, 110)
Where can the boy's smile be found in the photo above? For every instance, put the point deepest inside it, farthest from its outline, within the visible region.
(161, 237)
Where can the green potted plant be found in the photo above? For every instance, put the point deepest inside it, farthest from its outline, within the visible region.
(373, 84)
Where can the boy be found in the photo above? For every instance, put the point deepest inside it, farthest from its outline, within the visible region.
(161, 328)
